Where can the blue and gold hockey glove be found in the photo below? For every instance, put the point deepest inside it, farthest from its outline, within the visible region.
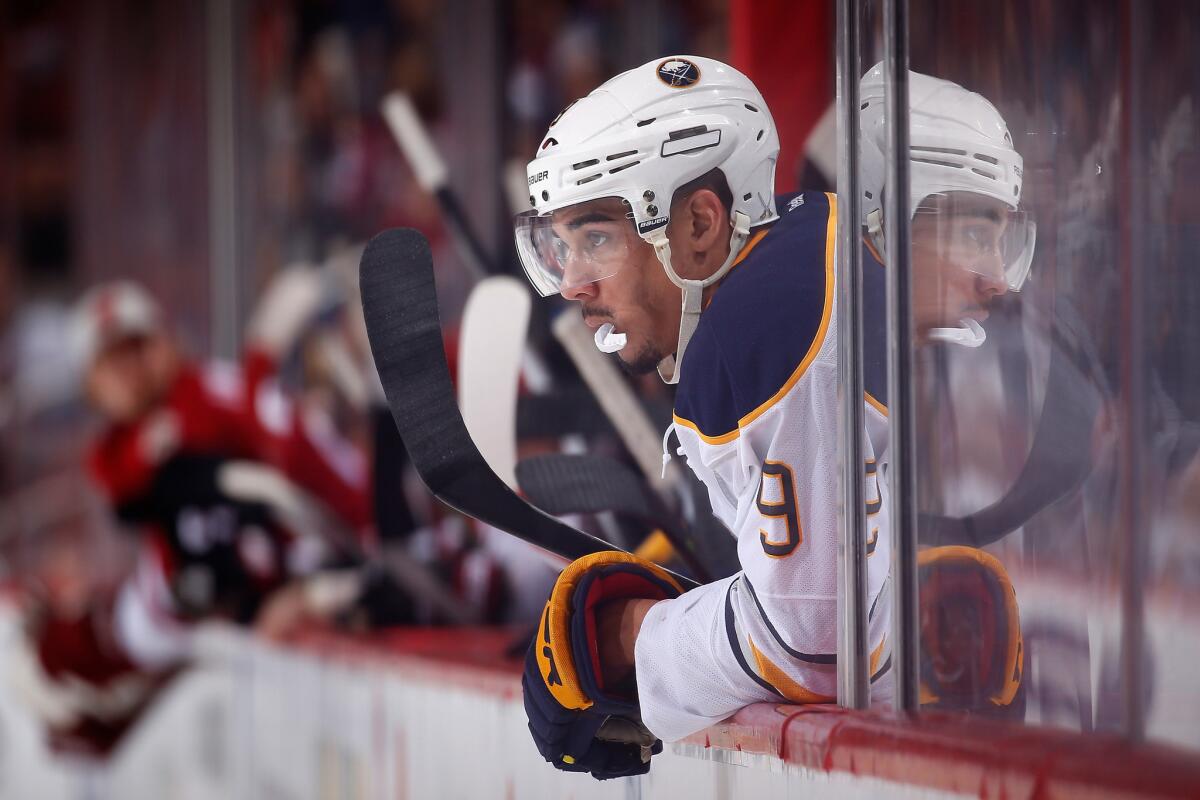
(971, 646)
(578, 724)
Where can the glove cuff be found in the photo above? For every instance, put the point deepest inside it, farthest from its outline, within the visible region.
(572, 673)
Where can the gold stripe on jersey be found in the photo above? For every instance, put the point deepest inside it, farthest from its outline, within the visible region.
(876, 654)
(875, 404)
(782, 682)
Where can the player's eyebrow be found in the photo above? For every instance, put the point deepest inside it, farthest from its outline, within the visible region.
(990, 214)
(591, 216)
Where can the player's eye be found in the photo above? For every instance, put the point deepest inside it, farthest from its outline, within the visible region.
(561, 250)
(981, 237)
(596, 240)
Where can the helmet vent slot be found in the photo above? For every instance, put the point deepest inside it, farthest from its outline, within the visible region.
(550, 142)
(585, 164)
(936, 162)
(644, 122)
(615, 156)
(988, 159)
(759, 137)
(947, 150)
(589, 179)
(615, 170)
(984, 174)
(747, 196)
(752, 108)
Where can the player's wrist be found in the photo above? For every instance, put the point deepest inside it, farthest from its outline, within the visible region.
(618, 623)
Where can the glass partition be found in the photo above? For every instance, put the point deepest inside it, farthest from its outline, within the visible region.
(1056, 337)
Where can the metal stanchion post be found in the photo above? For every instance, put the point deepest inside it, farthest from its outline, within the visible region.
(853, 661)
(901, 423)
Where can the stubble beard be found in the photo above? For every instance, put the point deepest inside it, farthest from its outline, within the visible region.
(645, 362)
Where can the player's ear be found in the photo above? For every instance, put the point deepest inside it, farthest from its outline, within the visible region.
(706, 217)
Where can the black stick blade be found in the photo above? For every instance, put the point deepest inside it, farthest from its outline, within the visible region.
(560, 483)
(399, 300)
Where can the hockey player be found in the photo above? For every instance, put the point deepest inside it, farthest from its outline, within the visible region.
(231, 491)
(197, 453)
(658, 184)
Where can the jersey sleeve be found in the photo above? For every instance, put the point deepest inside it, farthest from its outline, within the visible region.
(764, 442)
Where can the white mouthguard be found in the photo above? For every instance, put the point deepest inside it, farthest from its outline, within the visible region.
(607, 341)
(969, 334)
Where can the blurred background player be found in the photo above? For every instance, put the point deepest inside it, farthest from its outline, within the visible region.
(231, 490)
(247, 506)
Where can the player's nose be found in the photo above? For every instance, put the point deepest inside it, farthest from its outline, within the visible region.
(990, 287)
(990, 280)
(578, 291)
(577, 280)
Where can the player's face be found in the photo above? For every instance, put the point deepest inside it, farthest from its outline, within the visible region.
(958, 244)
(633, 292)
(130, 376)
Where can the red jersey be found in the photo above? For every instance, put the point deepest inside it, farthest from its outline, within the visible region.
(238, 413)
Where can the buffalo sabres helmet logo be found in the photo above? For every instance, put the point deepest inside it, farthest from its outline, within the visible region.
(678, 73)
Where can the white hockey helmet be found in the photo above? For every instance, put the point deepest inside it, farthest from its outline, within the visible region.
(639, 137)
(110, 312)
(958, 142)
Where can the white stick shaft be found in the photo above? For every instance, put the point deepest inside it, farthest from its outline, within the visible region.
(427, 165)
(615, 396)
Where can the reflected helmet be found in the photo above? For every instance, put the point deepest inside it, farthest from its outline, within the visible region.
(958, 142)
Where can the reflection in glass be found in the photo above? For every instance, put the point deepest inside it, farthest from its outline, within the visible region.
(1025, 438)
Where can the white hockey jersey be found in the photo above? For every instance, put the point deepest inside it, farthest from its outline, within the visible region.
(756, 417)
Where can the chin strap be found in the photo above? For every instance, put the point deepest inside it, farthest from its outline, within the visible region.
(875, 230)
(693, 291)
(969, 334)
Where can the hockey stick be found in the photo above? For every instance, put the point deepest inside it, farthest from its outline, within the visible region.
(400, 307)
(490, 345)
(617, 399)
(433, 177)
(695, 545)
(560, 483)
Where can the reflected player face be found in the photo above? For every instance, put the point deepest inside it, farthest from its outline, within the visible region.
(636, 297)
(958, 267)
(130, 376)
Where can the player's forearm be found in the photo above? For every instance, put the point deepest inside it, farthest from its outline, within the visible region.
(618, 624)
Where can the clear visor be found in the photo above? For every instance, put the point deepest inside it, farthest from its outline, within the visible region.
(982, 235)
(574, 246)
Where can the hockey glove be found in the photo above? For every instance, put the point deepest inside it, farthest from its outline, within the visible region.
(971, 648)
(577, 724)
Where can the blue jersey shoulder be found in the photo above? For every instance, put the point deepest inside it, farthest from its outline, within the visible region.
(765, 317)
